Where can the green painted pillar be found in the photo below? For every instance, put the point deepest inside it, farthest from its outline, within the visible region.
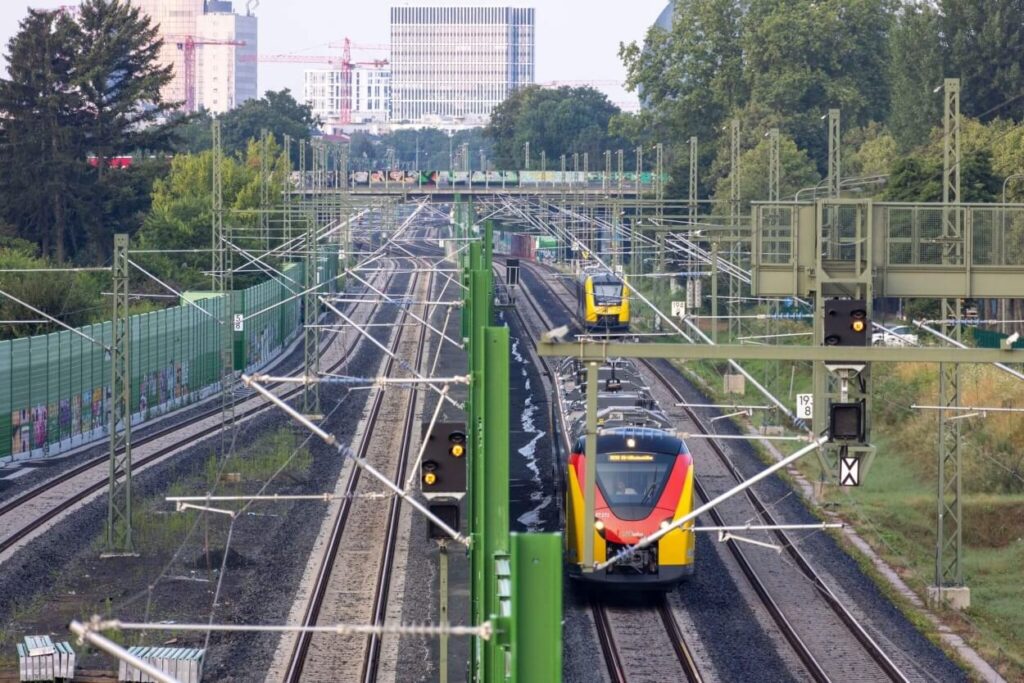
(536, 632)
(478, 320)
(495, 542)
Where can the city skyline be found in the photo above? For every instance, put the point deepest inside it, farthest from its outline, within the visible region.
(591, 55)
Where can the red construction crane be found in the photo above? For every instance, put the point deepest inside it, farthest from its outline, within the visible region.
(188, 45)
(342, 62)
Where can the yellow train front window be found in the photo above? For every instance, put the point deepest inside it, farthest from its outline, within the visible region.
(607, 293)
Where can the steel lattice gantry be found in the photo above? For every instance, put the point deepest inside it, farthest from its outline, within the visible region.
(119, 508)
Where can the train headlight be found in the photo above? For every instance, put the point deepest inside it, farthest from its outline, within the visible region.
(599, 525)
(666, 523)
(631, 442)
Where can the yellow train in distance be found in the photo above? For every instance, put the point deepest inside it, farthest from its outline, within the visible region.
(602, 302)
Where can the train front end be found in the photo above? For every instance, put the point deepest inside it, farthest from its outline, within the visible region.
(644, 481)
(604, 304)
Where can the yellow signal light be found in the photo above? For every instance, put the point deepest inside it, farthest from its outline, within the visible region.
(858, 326)
(429, 478)
(457, 450)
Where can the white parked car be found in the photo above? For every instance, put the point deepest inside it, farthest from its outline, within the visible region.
(895, 336)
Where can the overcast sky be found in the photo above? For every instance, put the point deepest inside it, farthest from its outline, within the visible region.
(577, 40)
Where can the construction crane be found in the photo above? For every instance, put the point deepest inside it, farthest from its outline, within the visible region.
(342, 62)
(188, 44)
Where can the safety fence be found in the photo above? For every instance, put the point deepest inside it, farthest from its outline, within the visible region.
(55, 388)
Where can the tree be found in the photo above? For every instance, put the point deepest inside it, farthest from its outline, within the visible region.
(120, 80)
(918, 178)
(690, 78)
(804, 57)
(181, 214)
(561, 121)
(796, 171)
(276, 111)
(43, 184)
(72, 298)
(916, 68)
(984, 43)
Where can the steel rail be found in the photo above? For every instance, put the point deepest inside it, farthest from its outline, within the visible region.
(606, 639)
(869, 644)
(371, 658)
(683, 652)
(788, 631)
(103, 460)
(602, 622)
(300, 651)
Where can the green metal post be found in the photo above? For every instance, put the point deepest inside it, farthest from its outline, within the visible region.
(288, 188)
(443, 580)
(692, 198)
(714, 292)
(223, 283)
(479, 293)
(495, 542)
(265, 170)
(119, 508)
(735, 288)
(537, 607)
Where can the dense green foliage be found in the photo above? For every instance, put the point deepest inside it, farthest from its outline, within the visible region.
(74, 298)
(181, 215)
(77, 89)
(277, 112)
(560, 121)
(785, 64)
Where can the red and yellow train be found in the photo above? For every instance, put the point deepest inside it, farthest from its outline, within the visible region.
(644, 480)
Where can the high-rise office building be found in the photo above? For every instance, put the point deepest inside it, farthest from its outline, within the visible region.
(176, 20)
(458, 63)
(226, 63)
(221, 78)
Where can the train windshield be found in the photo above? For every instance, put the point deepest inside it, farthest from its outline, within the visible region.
(607, 293)
(631, 483)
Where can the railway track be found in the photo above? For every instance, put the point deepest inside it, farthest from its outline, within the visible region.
(827, 638)
(639, 642)
(634, 647)
(299, 659)
(20, 530)
(371, 660)
(814, 646)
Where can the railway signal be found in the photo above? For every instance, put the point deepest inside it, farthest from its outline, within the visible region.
(443, 473)
(846, 322)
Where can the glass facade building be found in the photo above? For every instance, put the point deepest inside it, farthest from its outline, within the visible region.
(223, 81)
(458, 62)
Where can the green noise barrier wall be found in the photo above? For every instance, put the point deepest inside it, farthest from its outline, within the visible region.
(55, 388)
